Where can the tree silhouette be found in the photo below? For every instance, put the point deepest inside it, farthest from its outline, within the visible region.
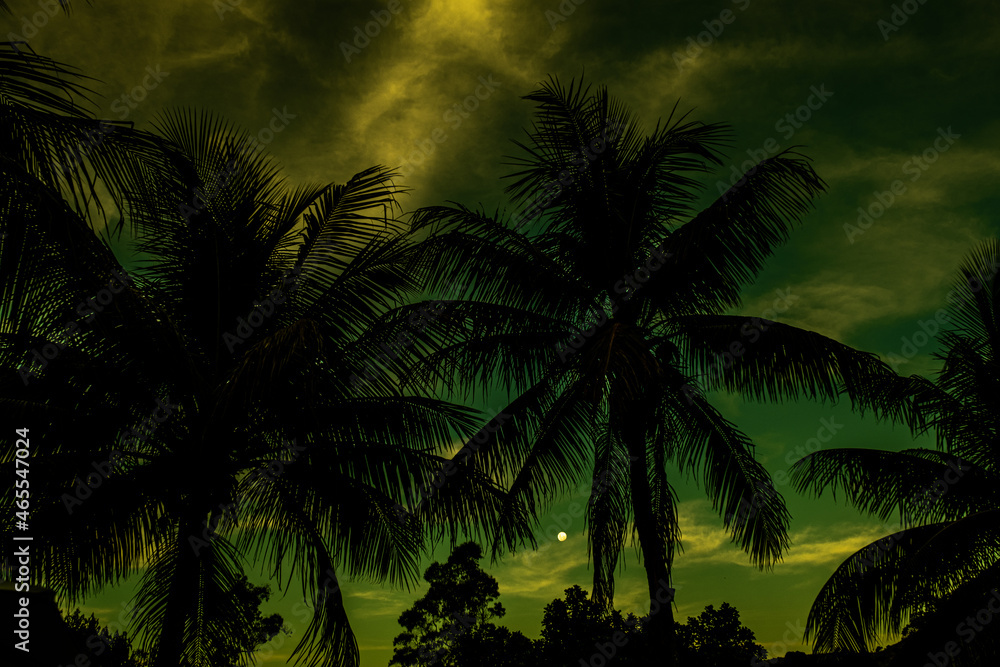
(941, 568)
(198, 408)
(56, 153)
(577, 629)
(601, 312)
(257, 629)
(716, 638)
(104, 648)
(452, 623)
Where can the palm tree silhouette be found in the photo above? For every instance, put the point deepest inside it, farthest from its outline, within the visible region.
(196, 411)
(944, 562)
(601, 312)
(52, 143)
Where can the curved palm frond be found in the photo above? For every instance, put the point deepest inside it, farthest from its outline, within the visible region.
(938, 568)
(921, 485)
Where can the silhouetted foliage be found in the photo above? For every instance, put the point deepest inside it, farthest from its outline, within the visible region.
(206, 393)
(114, 649)
(255, 630)
(104, 648)
(606, 313)
(452, 623)
(579, 628)
(940, 569)
(716, 638)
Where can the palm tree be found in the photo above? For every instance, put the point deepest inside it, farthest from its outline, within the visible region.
(196, 412)
(51, 143)
(944, 562)
(603, 309)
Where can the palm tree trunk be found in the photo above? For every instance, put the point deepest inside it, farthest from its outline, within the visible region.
(170, 648)
(660, 639)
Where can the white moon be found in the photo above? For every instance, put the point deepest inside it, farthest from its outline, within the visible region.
(562, 537)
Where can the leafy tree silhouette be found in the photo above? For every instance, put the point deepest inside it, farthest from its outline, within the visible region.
(452, 623)
(104, 648)
(717, 638)
(577, 630)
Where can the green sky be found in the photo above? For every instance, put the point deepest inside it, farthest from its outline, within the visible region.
(891, 89)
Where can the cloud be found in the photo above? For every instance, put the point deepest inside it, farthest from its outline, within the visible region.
(901, 268)
(378, 602)
(100, 612)
(378, 594)
(960, 174)
(542, 574)
(705, 541)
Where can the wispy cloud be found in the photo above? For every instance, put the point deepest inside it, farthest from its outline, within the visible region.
(543, 574)
(705, 541)
(379, 602)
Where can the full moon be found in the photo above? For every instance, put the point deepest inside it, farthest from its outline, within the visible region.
(562, 537)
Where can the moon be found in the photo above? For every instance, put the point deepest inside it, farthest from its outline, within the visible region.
(562, 537)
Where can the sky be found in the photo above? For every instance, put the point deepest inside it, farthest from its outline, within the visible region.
(892, 101)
